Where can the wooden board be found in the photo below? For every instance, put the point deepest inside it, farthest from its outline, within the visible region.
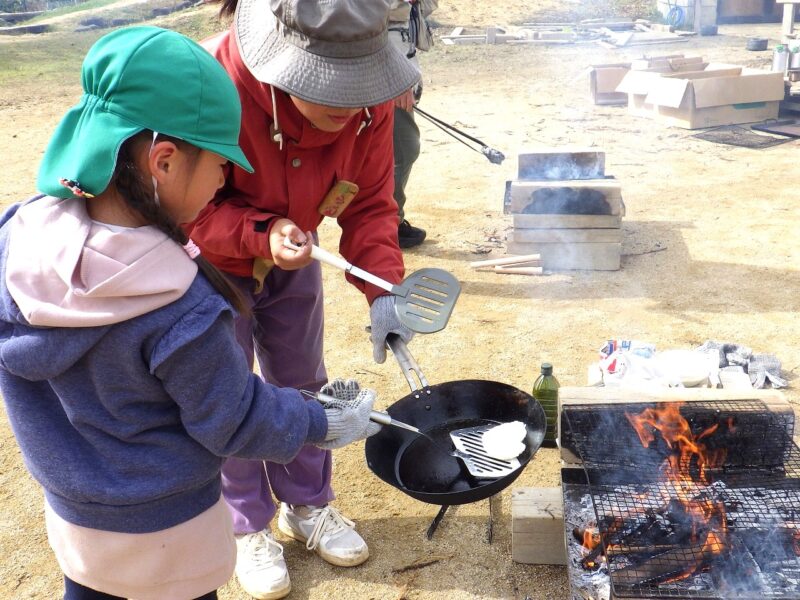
(521, 221)
(555, 164)
(566, 257)
(568, 236)
(537, 526)
(522, 193)
(774, 400)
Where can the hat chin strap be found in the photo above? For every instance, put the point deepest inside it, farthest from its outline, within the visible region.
(156, 199)
(366, 122)
(277, 134)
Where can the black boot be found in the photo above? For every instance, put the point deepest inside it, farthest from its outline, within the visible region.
(409, 236)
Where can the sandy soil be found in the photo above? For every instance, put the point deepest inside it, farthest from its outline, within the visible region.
(709, 253)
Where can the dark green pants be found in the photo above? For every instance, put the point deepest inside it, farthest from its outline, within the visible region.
(406, 151)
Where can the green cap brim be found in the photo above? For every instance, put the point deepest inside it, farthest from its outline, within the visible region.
(232, 153)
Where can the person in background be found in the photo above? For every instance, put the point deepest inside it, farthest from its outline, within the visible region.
(120, 371)
(406, 32)
(317, 81)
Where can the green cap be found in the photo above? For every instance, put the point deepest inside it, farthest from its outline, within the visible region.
(134, 79)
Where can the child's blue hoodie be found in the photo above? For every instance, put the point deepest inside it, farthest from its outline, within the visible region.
(125, 422)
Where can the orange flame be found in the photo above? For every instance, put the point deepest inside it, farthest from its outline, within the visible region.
(686, 472)
(591, 538)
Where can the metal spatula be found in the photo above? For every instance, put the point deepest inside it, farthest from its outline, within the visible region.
(425, 299)
(470, 448)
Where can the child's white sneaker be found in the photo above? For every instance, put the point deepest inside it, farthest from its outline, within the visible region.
(260, 567)
(326, 530)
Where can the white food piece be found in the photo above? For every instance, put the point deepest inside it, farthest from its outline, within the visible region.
(504, 441)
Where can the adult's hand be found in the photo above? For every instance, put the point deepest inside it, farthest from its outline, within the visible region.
(405, 100)
(289, 259)
(383, 321)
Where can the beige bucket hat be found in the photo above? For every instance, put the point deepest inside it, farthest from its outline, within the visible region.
(334, 53)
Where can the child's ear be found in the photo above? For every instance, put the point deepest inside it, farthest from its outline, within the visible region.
(161, 159)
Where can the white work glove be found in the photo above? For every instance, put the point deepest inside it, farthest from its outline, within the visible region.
(348, 419)
(384, 321)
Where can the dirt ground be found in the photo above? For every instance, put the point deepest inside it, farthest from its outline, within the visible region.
(709, 252)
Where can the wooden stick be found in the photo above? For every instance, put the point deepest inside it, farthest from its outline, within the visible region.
(528, 263)
(509, 260)
(519, 270)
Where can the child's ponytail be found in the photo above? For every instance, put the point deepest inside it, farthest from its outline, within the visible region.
(137, 194)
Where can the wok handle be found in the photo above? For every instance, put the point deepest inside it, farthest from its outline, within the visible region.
(407, 363)
(326, 257)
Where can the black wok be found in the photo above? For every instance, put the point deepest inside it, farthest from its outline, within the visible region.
(420, 468)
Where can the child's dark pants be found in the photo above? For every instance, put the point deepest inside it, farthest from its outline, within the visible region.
(76, 591)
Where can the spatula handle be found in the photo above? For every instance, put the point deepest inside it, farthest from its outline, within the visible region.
(324, 256)
(375, 415)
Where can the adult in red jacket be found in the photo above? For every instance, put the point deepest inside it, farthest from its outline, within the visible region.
(316, 81)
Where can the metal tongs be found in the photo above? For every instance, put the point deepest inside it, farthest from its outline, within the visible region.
(495, 156)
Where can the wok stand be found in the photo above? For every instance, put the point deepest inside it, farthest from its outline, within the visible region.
(436, 520)
(443, 509)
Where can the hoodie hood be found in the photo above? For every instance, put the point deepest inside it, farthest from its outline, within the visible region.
(64, 270)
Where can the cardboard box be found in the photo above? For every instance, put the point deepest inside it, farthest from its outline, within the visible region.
(669, 64)
(605, 78)
(719, 94)
(603, 82)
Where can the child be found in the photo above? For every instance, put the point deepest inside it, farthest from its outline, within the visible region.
(122, 378)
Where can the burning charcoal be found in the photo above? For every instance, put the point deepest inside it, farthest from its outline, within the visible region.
(592, 561)
(673, 565)
(736, 573)
(772, 547)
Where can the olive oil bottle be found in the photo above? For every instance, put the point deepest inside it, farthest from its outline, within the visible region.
(545, 390)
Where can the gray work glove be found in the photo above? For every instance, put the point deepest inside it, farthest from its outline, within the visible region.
(348, 419)
(384, 321)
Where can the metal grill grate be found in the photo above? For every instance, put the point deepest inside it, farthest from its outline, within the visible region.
(649, 537)
(606, 441)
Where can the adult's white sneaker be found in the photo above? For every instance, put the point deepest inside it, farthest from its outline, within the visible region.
(326, 530)
(260, 567)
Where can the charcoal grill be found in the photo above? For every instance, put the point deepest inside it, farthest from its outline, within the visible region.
(649, 545)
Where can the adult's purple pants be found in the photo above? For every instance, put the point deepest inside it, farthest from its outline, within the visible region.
(284, 332)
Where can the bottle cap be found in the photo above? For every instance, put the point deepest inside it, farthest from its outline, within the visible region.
(547, 369)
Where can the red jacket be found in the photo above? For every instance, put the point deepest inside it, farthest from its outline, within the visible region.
(233, 229)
